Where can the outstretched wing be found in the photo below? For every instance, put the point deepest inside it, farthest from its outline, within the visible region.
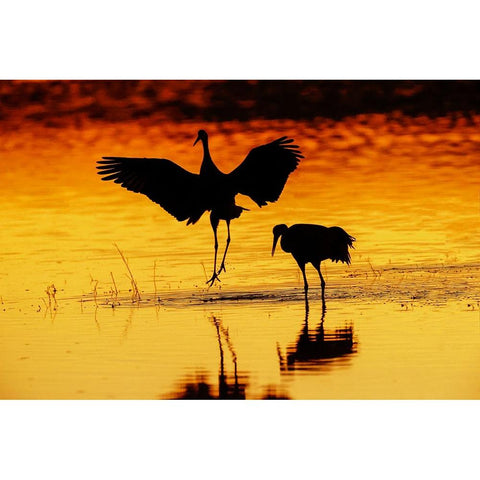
(265, 170)
(178, 191)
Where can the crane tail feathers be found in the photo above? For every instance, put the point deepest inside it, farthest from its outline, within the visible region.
(342, 242)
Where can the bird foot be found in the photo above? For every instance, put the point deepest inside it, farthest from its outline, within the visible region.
(221, 269)
(212, 279)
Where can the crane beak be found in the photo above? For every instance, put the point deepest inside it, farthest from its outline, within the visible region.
(275, 240)
(198, 138)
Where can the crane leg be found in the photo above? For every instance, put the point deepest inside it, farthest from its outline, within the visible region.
(322, 283)
(211, 281)
(222, 266)
(305, 285)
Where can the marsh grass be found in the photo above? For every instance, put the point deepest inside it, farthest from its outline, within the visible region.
(376, 273)
(51, 304)
(51, 292)
(115, 289)
(94, 289)
(157, 298)
(136, 297)
(114, 292)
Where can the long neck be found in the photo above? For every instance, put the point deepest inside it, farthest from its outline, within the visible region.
(208, 166)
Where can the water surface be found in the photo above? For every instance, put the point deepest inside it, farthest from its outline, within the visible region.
(402, 321)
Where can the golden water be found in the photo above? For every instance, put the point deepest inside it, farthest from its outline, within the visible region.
(407, 189)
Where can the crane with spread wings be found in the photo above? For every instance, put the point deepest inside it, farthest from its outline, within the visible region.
(187, 196)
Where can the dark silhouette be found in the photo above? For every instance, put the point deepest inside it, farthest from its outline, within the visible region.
(200, 389)
(312, 244)
(225, 390)
(196, 388)
(186, 196)
(318, 346)
(61, 102)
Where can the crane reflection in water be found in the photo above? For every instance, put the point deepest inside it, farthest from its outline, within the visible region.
(317, 348)
(200, 389)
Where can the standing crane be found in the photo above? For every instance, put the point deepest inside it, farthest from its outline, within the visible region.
(187, 196)
(310, 243)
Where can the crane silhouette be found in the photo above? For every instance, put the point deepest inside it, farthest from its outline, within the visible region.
(310, 243)
(187, 196)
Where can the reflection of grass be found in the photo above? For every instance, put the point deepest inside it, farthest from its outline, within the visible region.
(135, 292)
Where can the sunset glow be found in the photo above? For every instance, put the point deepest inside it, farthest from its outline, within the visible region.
(406, 186)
